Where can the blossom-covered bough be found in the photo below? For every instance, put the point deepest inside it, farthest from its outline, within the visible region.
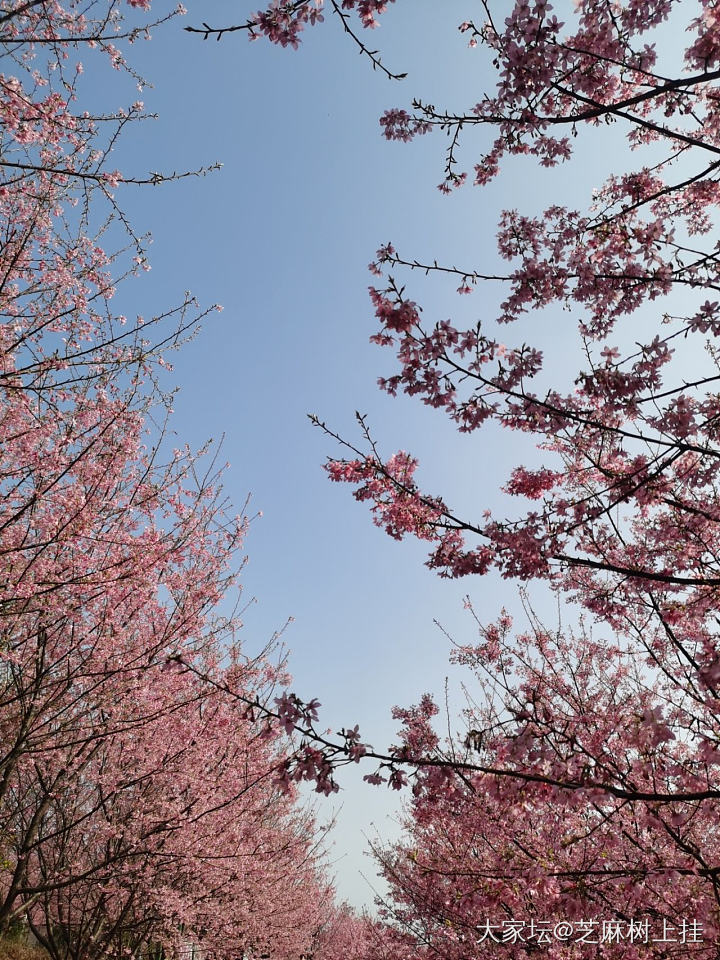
(284, 21)
(588, 784)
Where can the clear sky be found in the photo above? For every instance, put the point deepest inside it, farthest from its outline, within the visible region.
(281, 237)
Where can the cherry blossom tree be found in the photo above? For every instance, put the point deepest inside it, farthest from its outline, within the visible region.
(615, 519)
(627, 870)
(141, 802)
(179, 834)
(622, 517)
(625, 439)
(94, 524)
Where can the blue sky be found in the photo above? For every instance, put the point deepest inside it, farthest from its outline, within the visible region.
(281, 237)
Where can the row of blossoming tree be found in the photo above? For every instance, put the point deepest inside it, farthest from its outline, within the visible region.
(580, 814)
(141, 809)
